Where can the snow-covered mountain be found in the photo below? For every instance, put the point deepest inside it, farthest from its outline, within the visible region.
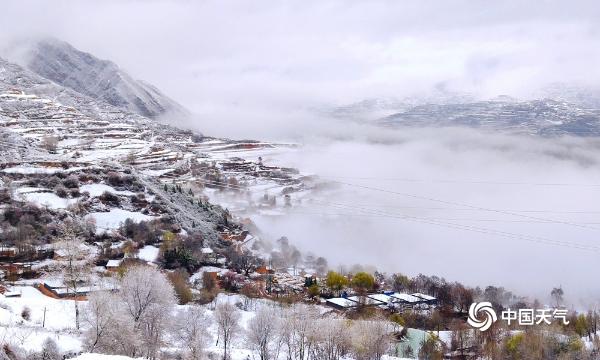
(545, 117)
(99, 79)
(41, 121)
(584, 96)
(372, 109)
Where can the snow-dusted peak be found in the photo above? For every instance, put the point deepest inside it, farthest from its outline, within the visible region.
(99, 79)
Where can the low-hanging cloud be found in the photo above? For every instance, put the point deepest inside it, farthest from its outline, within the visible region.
(229, 61)
(437, 174)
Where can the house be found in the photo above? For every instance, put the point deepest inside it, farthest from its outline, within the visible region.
(341, 303)
(207, 251)
(366, 300)
(426, 299)
(8, 252)
(113, 265)
(401, 298)
(209, 255)
(15, 270)
(63, 292)
(382, 298)
(264, 270)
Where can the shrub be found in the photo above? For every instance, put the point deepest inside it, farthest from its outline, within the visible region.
(75, 192)
(4, 196)
(109, 198)
(179, 280)
(209, 283)
(61, 191)
(114, 179)
(71, 182)
(26, 313)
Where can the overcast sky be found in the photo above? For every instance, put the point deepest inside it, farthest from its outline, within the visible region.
(233, 57)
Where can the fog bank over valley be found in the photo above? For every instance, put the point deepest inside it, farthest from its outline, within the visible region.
(470, 206)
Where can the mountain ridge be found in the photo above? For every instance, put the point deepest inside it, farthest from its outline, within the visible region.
(100, 79)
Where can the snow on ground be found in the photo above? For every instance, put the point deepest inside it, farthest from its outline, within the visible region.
(60, 324)
(60, 314)
(59, 320)
(27, 189)
(197, 276)
(112, 219)
(37, 170)
(91, 356)
(98, 189)
(148, 253)
(157, 172)
(48, 199)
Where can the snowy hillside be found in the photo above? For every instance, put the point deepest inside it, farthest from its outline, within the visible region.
(48, 121)
(99, 79)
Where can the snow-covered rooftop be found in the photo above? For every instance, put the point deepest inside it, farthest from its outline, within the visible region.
(406, 298)
(342, 302)
(382, 298)
(367, 300)
(424, 296)
(207, 250)
(113, 263)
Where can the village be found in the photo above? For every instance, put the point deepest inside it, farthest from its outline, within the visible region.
(30, 267)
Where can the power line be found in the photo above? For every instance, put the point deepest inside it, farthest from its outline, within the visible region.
(239, 188)
(463, 219)
(465, 205)
(377, 213)
(481, 182)
(467, 209)
(530, 238)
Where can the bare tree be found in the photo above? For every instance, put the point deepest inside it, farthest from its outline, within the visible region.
(371, 339)
(557, 295)
(330, 339)
(148, 299)
(50, 351)
(244, 261)
(462, 339)
(262, 332)
(72, 250)
(227, 319)
(296, 328)
(101, 318)
(191, 325)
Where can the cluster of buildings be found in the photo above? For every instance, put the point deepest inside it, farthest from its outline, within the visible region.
(389, 300)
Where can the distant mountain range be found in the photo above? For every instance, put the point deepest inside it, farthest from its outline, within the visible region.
(560, 111)
(545, 117)
(99, 79)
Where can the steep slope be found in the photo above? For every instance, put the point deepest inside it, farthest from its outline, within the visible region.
(99, 79)
(43, 122)
(45, 128)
